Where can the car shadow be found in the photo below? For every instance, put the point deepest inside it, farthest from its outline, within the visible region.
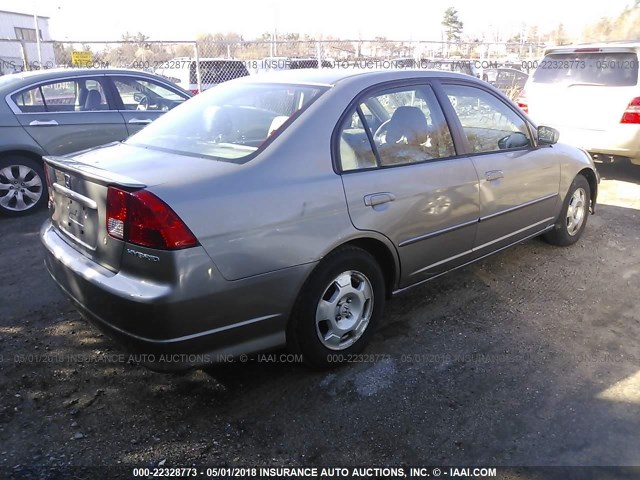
(622, 170)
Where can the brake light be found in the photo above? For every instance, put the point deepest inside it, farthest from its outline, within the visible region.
(522, 102)
(195, 92)
(632, 113)
(587, 50)
(143, 219)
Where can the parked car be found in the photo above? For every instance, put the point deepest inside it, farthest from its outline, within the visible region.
(183, 71)
(590, 93)
(284, 208)
(56, 112)
(461, 66)
(508, 80)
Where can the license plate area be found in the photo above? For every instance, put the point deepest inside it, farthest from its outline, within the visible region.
(76, 218)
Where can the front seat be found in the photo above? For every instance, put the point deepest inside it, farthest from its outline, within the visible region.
(82, 98)
(407, 134)
(94, 100)
(408, 125)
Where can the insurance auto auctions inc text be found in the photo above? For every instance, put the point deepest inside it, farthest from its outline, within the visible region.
(351, 472)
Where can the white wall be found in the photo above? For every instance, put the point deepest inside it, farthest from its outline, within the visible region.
(10, 52)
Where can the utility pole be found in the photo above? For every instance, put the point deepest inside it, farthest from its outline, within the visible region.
(35, 22)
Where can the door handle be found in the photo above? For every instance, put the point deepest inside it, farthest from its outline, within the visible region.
(493, 175)
(140, 121)
(43, 123)
(378, 198)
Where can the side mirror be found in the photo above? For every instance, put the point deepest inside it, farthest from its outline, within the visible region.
(547, 135)
(515, 140)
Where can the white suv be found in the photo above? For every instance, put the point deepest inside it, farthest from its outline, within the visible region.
(590, 93)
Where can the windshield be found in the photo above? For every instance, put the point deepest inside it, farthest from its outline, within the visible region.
(617, 69)
(228, 122)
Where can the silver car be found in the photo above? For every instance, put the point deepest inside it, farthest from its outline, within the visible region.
(284, 209)
(60, 111)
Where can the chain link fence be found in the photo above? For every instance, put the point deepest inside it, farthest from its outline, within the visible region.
(198, 65)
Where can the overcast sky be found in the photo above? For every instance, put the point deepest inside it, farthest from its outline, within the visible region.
(396, 19)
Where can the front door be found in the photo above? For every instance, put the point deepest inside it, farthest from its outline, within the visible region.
(518, 181)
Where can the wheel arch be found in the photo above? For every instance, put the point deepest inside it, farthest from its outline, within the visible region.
(21, 152)
(383, 252)
(592, 178)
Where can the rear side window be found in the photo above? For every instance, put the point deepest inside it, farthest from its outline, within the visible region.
(406, 126)
(598, 68)
(78, 95)
(30, 101)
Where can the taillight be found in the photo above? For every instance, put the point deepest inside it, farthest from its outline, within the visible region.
(632, 113)
(522, 102)
(195, 92)
(143, 219)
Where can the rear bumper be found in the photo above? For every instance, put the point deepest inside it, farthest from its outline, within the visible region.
(620, 140)
(198, 319)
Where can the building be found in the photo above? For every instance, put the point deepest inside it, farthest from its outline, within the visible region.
(18, 39)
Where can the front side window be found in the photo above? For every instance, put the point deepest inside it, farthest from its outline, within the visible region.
(142, 94)
(488, 123)
(405, 124)
(77, 95)
(229, 122)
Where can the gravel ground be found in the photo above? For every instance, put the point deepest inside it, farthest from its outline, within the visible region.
(527, 358)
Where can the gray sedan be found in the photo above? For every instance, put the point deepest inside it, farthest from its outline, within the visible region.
(56, 112)
(285, 209)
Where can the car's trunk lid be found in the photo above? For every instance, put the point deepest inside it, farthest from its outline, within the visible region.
(79, 185)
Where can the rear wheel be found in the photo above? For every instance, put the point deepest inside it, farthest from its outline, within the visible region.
(338, 308)
(22, 185)
(573, 217)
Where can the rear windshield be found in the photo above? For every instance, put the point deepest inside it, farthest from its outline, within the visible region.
(228, 122)
(217, 71)
(601, 68)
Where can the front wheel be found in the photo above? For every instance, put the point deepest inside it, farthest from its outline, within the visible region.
(338, 308)
(22, 186)
(573, 216)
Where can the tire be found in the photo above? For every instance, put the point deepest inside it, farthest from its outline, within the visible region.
(338, 308)
(23, 188)
(573, 216)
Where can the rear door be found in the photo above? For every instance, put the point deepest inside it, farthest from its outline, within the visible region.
(65, 116)
(141, 100)
(518, 182)
(402, 178)
(586, 88)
